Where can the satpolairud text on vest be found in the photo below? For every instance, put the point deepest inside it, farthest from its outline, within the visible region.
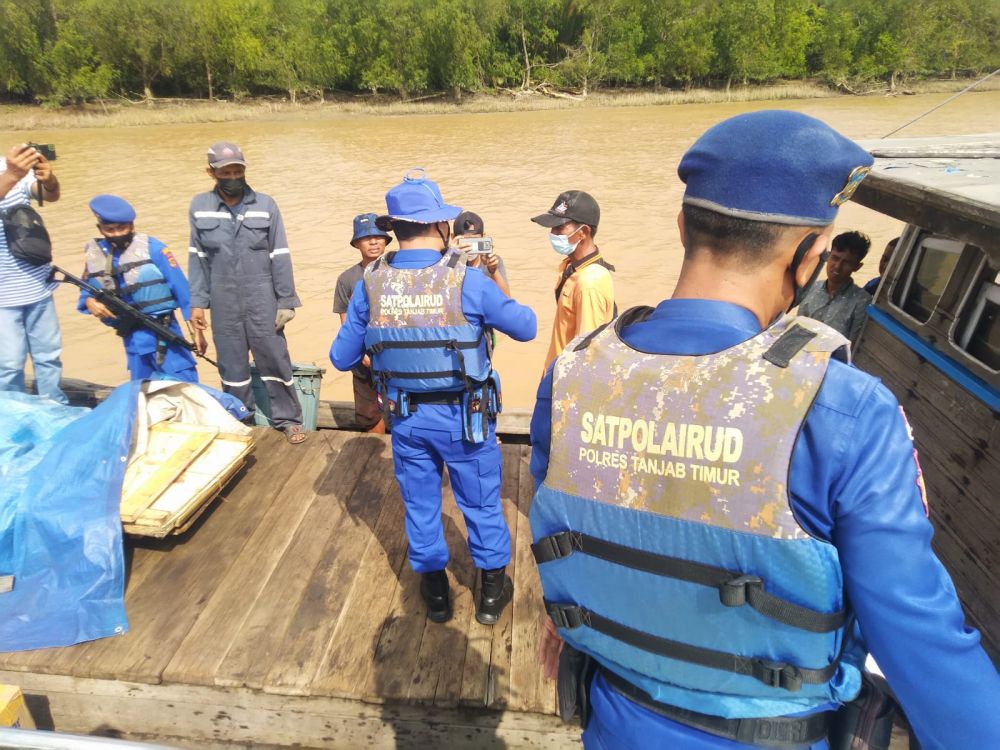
(702, 442)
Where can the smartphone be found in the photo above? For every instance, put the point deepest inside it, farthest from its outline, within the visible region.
(48, 150)
(477, 245)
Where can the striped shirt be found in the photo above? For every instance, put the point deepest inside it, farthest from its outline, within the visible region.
(21, 283)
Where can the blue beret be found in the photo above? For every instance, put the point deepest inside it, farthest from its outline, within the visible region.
(774, 165)
(110, 209)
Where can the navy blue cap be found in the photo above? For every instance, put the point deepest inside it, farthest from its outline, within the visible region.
(110, 209)
(418, 200)
(364, 226)
(776, 166)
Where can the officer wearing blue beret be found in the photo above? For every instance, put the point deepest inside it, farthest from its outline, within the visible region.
(141, 271)
(423, 317)
(728, 515)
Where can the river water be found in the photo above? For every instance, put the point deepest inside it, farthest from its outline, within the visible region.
(506, 166)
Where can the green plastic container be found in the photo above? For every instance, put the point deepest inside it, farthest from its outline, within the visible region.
(308, 379)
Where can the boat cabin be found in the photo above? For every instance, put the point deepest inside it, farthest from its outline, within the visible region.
(933, 337)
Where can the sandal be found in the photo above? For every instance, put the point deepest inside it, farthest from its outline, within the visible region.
(294, 433)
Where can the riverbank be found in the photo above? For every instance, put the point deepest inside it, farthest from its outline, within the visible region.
(169, 111)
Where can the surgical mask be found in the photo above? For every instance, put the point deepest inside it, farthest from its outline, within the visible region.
(561, 243)
(120, 244)
(233, 187)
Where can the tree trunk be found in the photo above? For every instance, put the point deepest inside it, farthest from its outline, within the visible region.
(457, 93)
(526, 83)
(208, 78)
(291, 94)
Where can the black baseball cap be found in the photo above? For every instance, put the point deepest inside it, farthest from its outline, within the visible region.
(468, 223)
(573, 205)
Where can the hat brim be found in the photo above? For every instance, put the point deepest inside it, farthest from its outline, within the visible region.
(550, 220)
(385, 235)
(443, 213)
(226, 163)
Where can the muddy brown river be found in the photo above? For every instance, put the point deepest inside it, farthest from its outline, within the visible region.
(506, 166)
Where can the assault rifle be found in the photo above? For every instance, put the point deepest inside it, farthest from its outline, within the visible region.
(129, 317)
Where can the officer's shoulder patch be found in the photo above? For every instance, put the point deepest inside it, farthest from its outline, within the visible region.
(170, 258)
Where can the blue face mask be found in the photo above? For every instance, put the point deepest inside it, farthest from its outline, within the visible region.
(561, 243)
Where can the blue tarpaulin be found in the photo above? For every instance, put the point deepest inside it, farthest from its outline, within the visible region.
(61, 473)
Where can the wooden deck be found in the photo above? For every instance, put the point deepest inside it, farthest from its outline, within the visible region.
(289, 615)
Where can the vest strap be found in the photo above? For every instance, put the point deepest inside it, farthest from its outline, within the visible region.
(381, 346)
(775, 674)
(779, 732)
(788, 345)
(735, 589)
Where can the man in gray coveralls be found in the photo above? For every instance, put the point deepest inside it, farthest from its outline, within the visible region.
(239, 266)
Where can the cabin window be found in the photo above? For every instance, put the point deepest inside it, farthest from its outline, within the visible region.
(981, 328)
(926, 275)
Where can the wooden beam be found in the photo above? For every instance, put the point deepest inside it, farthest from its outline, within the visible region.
(204, 715)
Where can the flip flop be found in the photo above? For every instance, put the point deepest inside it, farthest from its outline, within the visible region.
(295, 434)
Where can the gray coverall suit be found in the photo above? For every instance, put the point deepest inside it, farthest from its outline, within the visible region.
(240, 268)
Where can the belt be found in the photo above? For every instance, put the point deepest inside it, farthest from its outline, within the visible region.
(781, 732)
(435, 397)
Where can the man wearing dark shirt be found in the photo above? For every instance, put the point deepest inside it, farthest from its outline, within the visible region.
(838, 301)
(370, 241)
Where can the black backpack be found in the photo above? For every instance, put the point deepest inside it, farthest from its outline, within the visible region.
(27, 237)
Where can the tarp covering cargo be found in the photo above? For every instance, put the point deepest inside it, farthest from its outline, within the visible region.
(62, 570)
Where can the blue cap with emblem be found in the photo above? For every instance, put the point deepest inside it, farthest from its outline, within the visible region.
(364, 226)
(110, 209)
(776, 166)
(418, 200)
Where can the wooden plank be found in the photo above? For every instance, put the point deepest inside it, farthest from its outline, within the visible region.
(168, 454)
(529, 690)
(263, 633)
(198, 657)
(205, 716)
(486, 676)
(190, 575)
(324, 603)
(347, 666)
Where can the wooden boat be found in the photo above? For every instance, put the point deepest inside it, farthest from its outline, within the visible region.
(933, 337)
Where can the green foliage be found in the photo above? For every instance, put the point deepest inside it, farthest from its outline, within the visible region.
(73, 50)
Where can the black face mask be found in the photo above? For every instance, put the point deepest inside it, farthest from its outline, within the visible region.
(233, 187)
(800, 254)
(120, 244)
(445, 236)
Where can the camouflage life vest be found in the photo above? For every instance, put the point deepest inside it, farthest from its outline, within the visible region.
(418, 338)
(666, 543)
(136, 280)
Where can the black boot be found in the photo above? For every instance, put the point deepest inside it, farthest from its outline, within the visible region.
(495, 594)
(434, 589)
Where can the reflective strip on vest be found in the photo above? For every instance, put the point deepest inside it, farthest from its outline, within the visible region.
(688, 457)
(418, 336)
(137, 280)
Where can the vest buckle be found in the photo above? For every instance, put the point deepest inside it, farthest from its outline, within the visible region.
(568, 616)
(777, 674)
(733, 593)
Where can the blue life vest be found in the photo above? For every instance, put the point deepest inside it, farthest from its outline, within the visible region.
(136, 279)
(666, 543)
(418, 337)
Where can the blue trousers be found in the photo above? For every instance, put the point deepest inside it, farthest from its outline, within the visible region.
(179, 365)
(31, 329)
(420, 451)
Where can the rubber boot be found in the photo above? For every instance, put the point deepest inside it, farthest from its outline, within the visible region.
(434, 589)
(496, 592)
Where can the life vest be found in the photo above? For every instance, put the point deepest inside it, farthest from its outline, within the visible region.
(136, 280)
(418, 338)
(664, 536)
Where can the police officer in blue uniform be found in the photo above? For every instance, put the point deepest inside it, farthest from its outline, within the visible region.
(728, 515)
(241, 268)
(141, 271)
(424, 319)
